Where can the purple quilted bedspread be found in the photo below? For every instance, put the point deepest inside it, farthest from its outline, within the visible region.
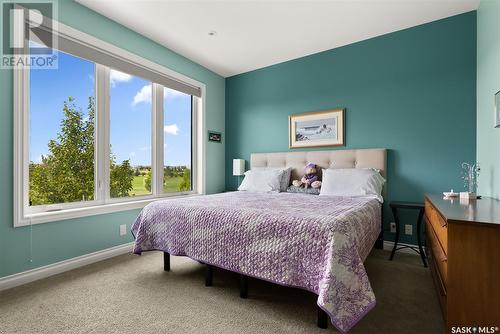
(317, 243)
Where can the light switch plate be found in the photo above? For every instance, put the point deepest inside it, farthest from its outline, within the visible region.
(408, 229)
(123, 230)
(393, 227)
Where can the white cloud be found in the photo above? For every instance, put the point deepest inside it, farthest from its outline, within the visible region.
(116, 77)
(171, 129)
(144, 95)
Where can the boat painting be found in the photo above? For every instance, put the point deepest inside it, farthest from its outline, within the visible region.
(323, 128)
(316, 129)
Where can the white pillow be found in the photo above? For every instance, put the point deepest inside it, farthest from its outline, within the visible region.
(352, 182)
(262, 180)
(285, 177)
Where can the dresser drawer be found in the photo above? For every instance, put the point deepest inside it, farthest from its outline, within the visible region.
(438, 224)
(437, 254)
(438, 283)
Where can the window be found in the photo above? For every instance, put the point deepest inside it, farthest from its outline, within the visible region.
(61, 132)
(130, 131)
(177, 108)
(105, 131)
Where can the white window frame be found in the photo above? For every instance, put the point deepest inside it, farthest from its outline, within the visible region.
(102, 203)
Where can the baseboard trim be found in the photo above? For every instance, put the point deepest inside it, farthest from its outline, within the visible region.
(388, 245)
(31, 275)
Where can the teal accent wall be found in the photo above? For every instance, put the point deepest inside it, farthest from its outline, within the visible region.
(412, 92)
(57, 241)
(488, 83)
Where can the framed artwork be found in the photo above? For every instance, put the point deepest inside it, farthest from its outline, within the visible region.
(316, 129)
(497, 109)
(215, 136)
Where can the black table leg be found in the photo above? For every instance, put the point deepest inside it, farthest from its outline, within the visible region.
(379, 244)
(166, 261)
(419, 230)
(243, 286)
(411, 206)
(396, 220)
(209, 275)
(322, 318)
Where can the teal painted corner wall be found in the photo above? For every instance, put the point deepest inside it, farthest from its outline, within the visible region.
(57, 241)
(412, 92)
(488, 83)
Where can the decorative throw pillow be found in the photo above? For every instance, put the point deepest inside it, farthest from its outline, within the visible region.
(302, 190)
(285, 177)
(261, 180)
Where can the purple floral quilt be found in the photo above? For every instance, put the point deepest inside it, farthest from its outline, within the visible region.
(317, 243)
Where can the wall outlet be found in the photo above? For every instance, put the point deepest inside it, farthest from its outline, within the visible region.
(123, 230)
(393, 227)
(408, 229)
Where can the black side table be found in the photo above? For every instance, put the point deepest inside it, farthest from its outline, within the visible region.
(411, 206)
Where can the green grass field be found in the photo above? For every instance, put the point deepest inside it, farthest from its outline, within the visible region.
(138, 188)
(172, 184)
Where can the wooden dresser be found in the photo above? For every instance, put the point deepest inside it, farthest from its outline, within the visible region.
(463, 249)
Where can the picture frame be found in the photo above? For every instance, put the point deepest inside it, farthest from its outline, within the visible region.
(317, 129)
(497, 109)
(215, 137)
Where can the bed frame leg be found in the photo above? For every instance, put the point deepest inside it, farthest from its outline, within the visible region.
(243, 286)
(322, 318)
(166, 261)
(209, 273)
(379, 244)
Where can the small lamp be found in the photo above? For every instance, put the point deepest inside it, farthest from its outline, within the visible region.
(238, 168)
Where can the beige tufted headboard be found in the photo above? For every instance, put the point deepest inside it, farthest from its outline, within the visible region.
(362, 158)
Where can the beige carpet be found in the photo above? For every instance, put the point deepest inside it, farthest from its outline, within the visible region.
(132, 294)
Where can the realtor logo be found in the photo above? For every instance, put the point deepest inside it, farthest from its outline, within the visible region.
(27, 37)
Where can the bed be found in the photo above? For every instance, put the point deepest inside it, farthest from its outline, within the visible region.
(317, 243)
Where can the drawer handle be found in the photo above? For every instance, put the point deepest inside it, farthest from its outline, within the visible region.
(438, 253)
(441, 257)
(434, 212)
(436, 247)
(437, 277)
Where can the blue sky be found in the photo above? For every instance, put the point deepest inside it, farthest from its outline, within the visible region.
(130, 112)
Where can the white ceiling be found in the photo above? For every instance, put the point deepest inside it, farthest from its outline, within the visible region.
(259, 33)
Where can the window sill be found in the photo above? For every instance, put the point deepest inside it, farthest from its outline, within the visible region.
(47, 217)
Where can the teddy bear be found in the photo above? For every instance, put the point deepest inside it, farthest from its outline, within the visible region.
(310, 178)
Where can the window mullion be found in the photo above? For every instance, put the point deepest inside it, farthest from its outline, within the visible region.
(157, 140)
(106, 139)
(102, 134)
(194, 142)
